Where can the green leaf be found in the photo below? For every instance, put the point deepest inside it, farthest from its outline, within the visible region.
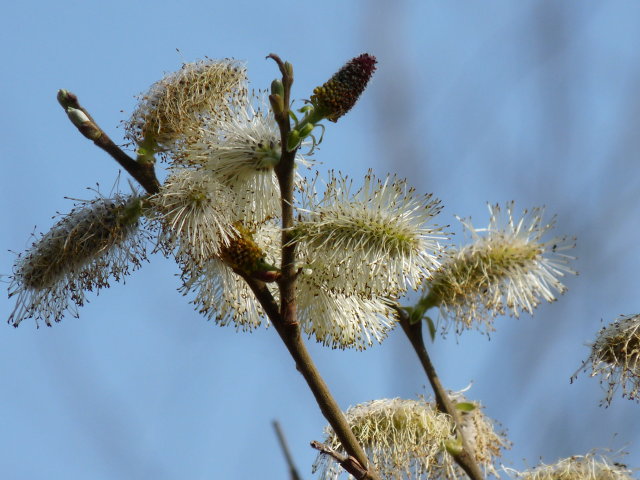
(466, 406)
(415, 314)
(432, 328)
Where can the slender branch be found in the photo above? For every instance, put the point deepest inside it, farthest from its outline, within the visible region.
(285, 171)
(290, 335)
(293, 471)
(284, 319)
(143, 172)
(413, 331)
(328, 406)
(350, 464)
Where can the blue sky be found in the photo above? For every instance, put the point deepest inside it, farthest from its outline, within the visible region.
(532, 101)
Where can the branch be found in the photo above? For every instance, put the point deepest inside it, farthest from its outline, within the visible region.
(143, 172)
(290, 335)
(464, 458)
(285, 173)
(285, 449)
(350, 464)
(284, 318)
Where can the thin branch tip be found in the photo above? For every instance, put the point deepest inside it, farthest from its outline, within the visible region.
(349, 463)
(142, 172)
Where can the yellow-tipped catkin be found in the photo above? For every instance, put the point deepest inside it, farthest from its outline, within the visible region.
(180, 102)
(578, 467)
(193, 212)
(406, 439)
(378, 240)
(507, 268)
(615, 358)
(241, 152)
(97, 241)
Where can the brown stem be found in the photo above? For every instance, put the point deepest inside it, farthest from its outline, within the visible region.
(285, 319)
(293, 471)
(143, 172)
(290, 335)
(464, 458)
(285, 171)
(350, 464)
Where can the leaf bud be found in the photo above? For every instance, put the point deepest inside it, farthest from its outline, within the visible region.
(277, 103)
(66, 98)
(83, 123)
(294, 140)
(77, 117)
(277, 88)
(289, 69)
(306, 130)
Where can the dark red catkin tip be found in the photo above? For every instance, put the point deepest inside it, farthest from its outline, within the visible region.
(338, 95)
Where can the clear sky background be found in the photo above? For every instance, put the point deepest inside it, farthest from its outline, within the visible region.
(535, 101)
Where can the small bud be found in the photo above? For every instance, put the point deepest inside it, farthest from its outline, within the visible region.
(454, 446)
(289, 69)
(294, 140)
(145, 151)
(306, 130)
(77, 117)
(131, 212)
(83, 123)
(66, 98)
(277, 88)
(277, 103)
(465, 406)
(338, 95)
